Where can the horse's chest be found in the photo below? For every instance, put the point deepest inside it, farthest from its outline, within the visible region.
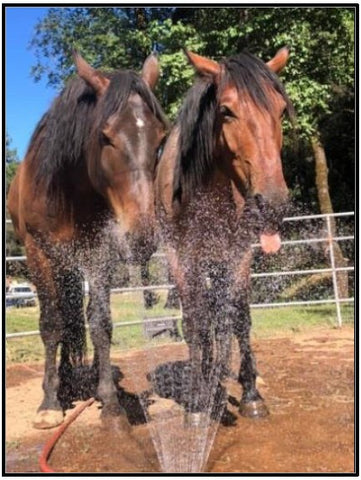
(209, 226)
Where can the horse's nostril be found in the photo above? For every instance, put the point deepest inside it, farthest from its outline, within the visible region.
(258, 198)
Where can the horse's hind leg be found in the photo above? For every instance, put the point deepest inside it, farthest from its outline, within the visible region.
(150, 298)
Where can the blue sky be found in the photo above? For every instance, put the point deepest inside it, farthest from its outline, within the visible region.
(26, 100)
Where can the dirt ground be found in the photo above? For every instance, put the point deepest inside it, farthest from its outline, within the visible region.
(308, 384)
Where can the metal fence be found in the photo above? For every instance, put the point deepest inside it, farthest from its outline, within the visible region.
(328, 239)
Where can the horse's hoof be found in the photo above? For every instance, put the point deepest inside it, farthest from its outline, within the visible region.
(48, 419)
(253, 409)
(195, 419)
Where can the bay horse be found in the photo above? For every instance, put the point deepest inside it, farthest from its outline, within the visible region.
(82, 198)
(219, 186)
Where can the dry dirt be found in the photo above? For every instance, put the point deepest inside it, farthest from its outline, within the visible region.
(308, 383)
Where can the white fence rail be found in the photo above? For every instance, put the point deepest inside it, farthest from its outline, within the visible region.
(329, 239)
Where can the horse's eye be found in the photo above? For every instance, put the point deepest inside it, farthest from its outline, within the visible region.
(226, 112)
(161, 147)
(104, 139)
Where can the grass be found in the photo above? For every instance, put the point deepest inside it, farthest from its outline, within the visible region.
(278, 320)
(128, 307)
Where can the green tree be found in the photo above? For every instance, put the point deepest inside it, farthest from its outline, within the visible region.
(319, 76)
(11, 161)
(13, 246)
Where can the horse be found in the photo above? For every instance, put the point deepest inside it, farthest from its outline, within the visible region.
(81, 200)
(220, 186)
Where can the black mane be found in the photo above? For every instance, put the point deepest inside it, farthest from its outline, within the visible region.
(61, 139)
(196, 120)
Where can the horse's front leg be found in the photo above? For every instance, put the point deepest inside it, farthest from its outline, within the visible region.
(186, 276)
(207, 365)
(252, 403)
(219, 317)
(50, 412)
(100, 326)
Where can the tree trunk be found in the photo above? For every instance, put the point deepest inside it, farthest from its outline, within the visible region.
(141, 18)
(325, 204)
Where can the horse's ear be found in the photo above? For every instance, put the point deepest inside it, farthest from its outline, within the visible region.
(278, 62)
(150, 70)
(91, 76)
(203, 65)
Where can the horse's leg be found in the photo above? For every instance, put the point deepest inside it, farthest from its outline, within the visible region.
(50, 412)
(207, 358)
(150, 297)
(173, 300)
(100, 326)
(194, 311)
(197, 400)
(219, 296)
(251, 404)
(73, 345)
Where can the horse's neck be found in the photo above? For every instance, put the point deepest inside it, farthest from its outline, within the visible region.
(212, 205)
(222, 193)
(69, 202)
(218, 195)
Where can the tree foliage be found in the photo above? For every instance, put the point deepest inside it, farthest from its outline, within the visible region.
(319, 76)
(11, 161)
(13, 245)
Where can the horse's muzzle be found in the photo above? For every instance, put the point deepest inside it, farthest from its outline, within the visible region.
(265, 219)
(269, 214)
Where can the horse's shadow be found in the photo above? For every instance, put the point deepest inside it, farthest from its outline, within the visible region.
(80, 383)
(169, 380)
(172, 380)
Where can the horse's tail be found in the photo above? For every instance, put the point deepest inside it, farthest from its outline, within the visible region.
(73, 346)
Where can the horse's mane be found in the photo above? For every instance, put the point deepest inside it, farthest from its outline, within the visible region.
(196, 119)
(62, 136)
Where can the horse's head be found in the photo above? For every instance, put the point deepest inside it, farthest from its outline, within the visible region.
(248, 108)
(127, 131)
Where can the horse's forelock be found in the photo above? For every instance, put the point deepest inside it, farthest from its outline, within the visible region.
(122, 84)
(251, 75)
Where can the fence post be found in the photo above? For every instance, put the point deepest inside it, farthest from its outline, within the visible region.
(333, 266)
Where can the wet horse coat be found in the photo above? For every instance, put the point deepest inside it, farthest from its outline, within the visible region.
(83, 198)
(219, 186)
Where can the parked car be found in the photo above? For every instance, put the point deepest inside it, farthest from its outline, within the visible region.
(20, 295)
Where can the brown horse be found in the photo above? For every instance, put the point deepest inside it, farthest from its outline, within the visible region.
(82, 198)
(219, 185)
